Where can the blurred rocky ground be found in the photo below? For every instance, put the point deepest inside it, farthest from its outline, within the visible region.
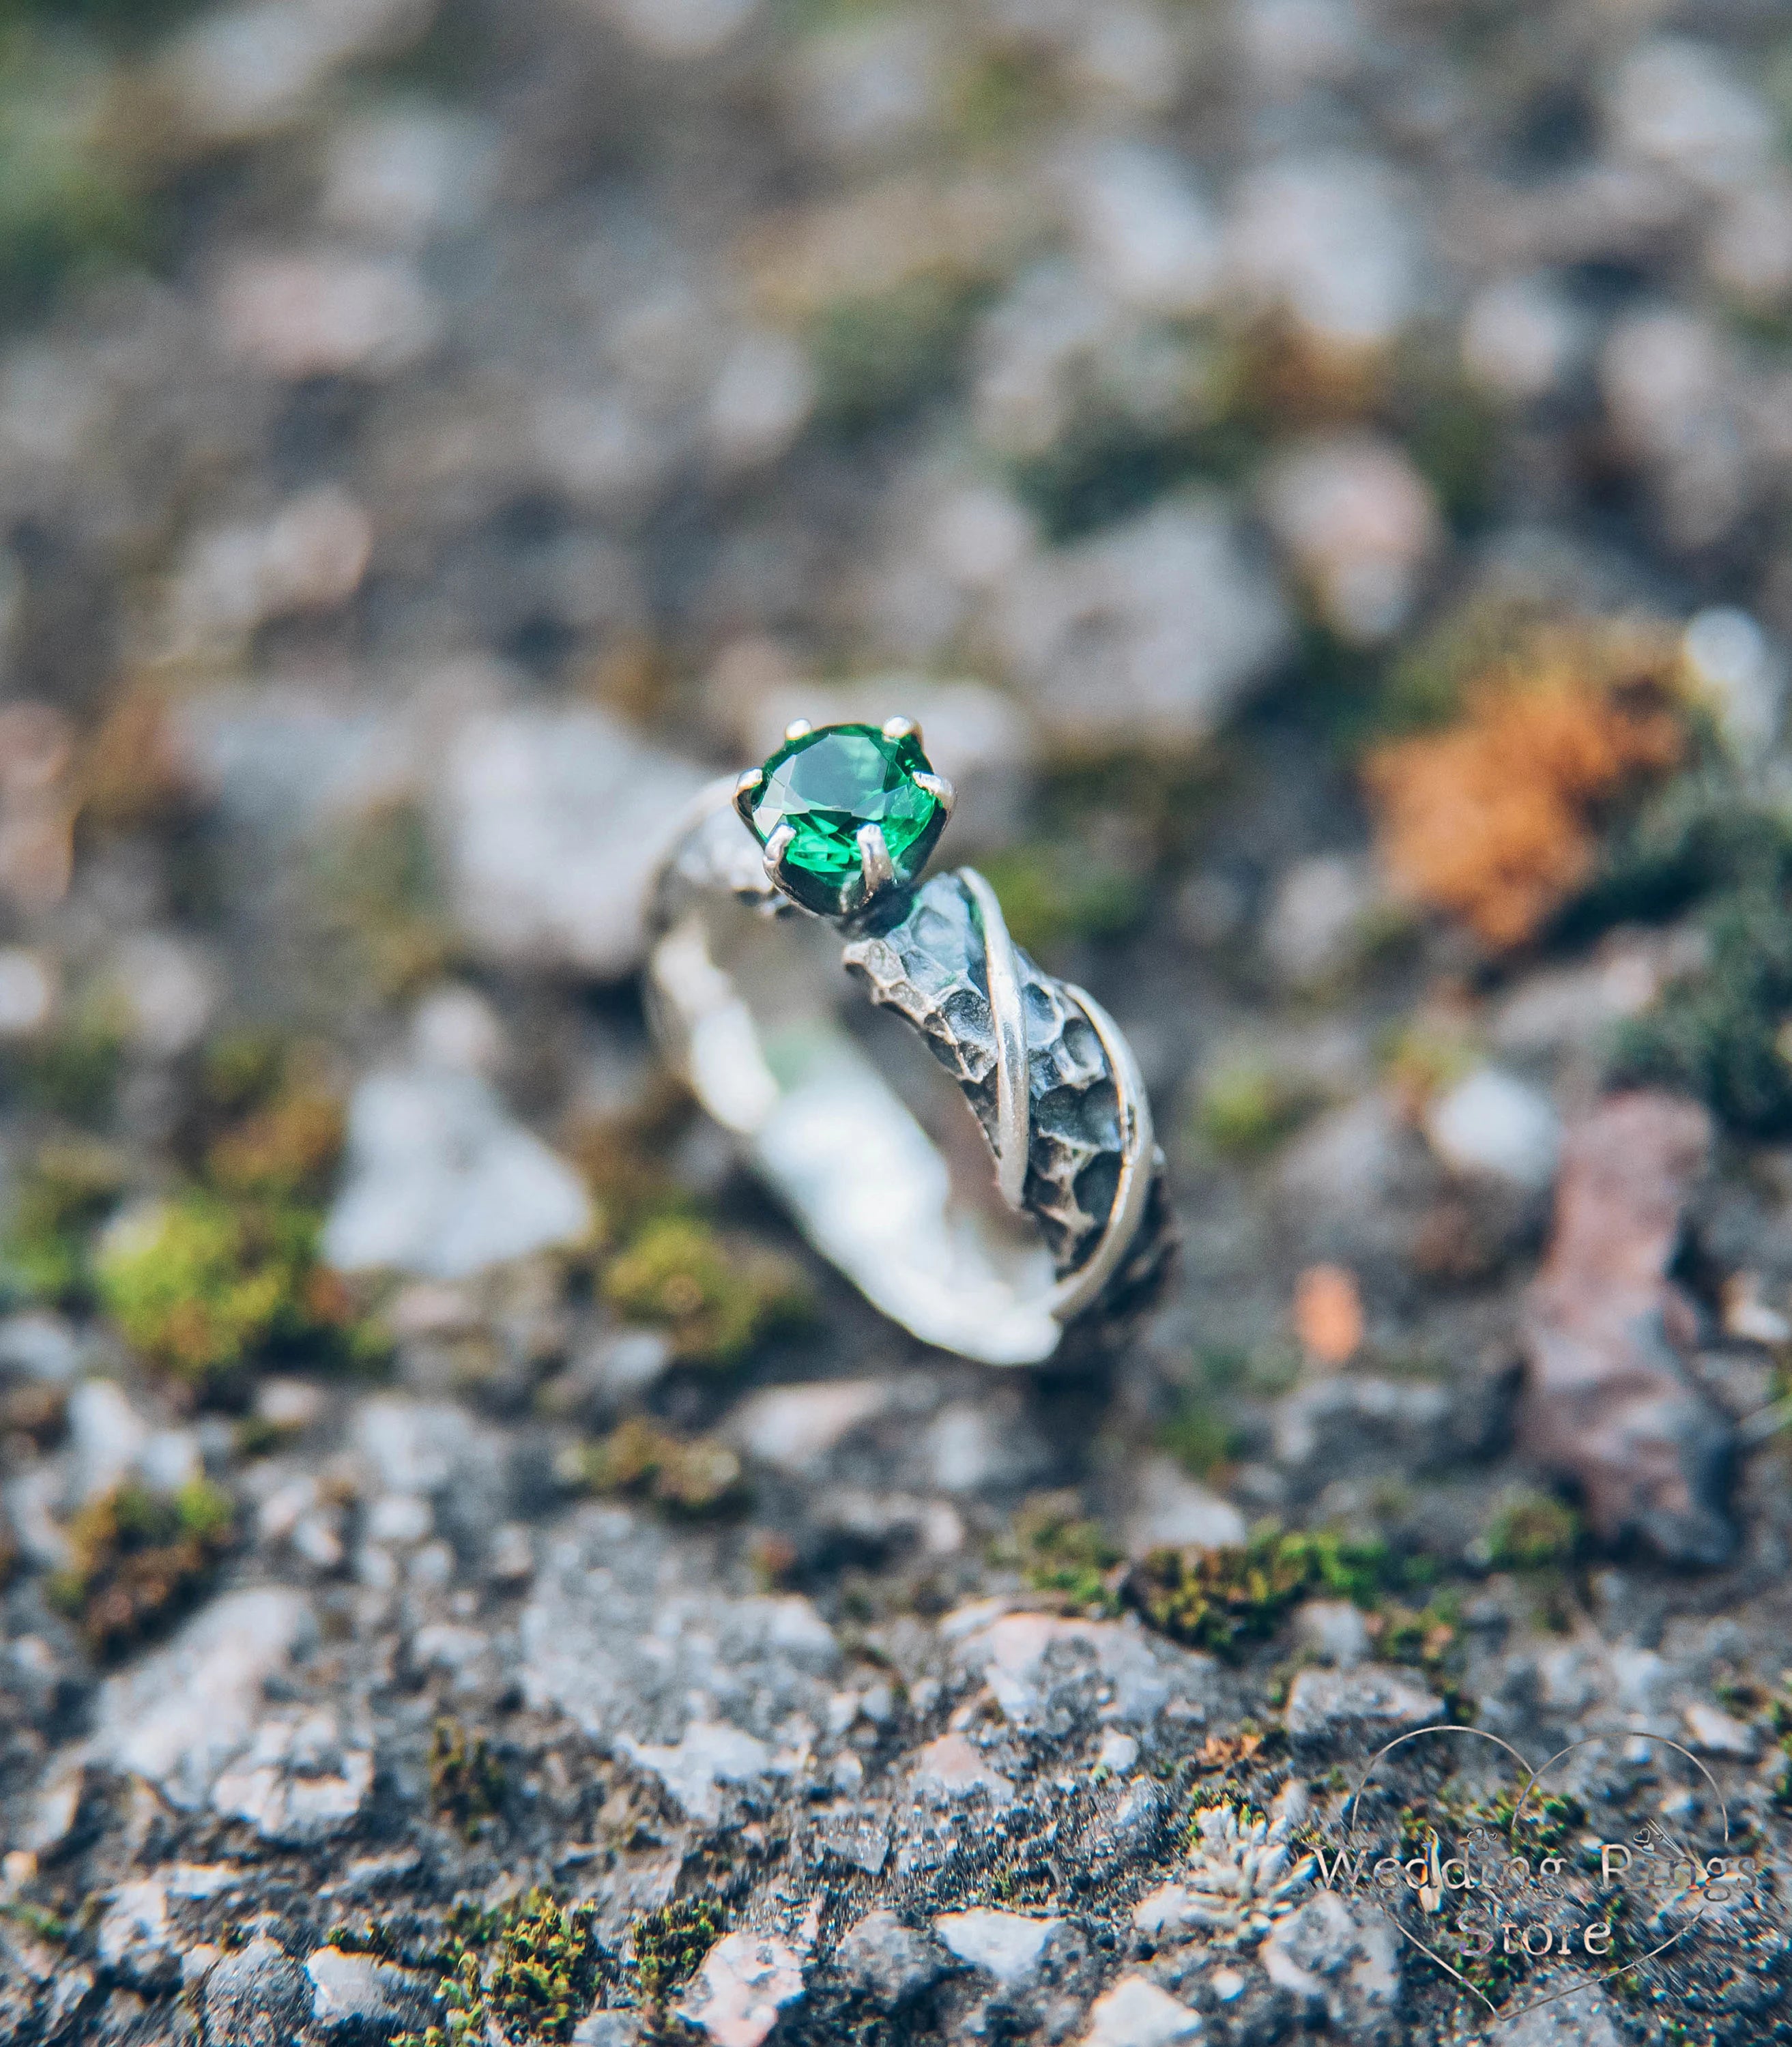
(1320, 470)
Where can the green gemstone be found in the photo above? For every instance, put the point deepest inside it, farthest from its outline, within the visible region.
(827, 786)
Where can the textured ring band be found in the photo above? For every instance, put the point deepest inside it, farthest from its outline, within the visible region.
(825, 844)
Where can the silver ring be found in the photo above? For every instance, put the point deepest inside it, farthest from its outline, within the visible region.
(777, 877)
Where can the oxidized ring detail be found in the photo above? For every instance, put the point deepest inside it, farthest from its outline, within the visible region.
(825, 845)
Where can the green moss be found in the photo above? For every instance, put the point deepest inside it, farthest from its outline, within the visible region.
(1059, 1550)
(72, 1071)
(285, 1151)
(1056, 893)
(139, 1558)
(670, 1942)
(1000, 96)
(545, 1973)
(877, 359)
(1453, 434)
(1200, 1441)
(365, 1937)
(1220, 1599)
(465, 1783)
(1548, 1824)
(38, 1919)
(126, 21)
(1532, 1532)
(526, 1974)
(1719, 1033)
(1723, 1035)
(1245, 1107)
(687, 1475)
(380, 895)
(1429, 1637)
(716, 1297)
(1782, 1728)
(224, 1273)
(68, 201)
(66, 1190)
(199, 1287)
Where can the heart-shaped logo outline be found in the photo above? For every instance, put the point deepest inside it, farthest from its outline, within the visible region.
(1535, 1772)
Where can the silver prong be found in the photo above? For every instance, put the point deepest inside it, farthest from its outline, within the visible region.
(937, 787)
(799, 728)
(1007, 1016)
(750, 782)
(876, 869)
(776, 846)
(902, 728)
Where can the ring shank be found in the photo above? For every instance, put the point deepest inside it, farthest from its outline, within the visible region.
(745, 1000)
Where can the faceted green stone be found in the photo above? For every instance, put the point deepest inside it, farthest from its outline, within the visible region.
(829, 785)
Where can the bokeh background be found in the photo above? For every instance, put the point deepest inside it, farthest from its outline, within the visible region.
(1320, 470)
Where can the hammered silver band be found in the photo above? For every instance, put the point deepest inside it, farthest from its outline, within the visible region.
(744, 997)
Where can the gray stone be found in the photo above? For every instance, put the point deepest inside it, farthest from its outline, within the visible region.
(1007, 1945)
(177, 1716)
(106, 1436)
(1052, 1674)
(953, 1767)
(134, 1940)
(554, 821)
(973, 1448)
(889, 1961)
(1337, 1711)
(250, 71)
(794, 1428)
(354, 1997)
(1150, 633)
(1147, 234)
(1493, 1124)
(1359, 523)
(680, 29)
(1320, 919)
(434, 1450)
(1342, 1961)
(168, 990)
(1330, 241)
(745, 1984)
(321, 313)
(1124, 1830)
(625, 1627)
(299, 1781)
(1346, 1419)
(1334, 1631)
(1585, 2018)
(607, 2029)
(443, 1181)
(256, 1997)
(1680, 102)
(1135, 2013)
(40, 1346)
(1171, 1510)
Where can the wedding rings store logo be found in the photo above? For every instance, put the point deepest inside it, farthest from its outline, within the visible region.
(1502, 1875)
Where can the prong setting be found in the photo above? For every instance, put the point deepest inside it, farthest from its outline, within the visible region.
(750, 781)
(799, 728)
(937, 787)
(876, 869)
(902, 728)
(776, 846)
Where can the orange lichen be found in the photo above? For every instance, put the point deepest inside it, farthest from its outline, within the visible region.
(1495, 818)
(1329, 1314)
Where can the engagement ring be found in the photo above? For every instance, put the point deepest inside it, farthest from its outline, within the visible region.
(852, 1128)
